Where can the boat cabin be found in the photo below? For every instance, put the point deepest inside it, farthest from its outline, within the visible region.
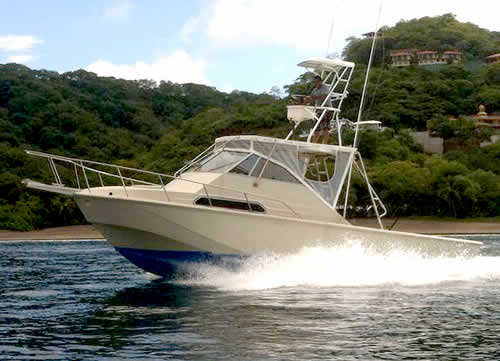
(310, 176)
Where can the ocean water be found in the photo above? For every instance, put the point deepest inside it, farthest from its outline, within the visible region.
(80, 300)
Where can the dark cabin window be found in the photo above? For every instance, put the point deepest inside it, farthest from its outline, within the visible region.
(272, 171)
(231, 204)
(246, 166)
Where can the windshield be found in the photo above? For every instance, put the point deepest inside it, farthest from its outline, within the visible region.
(217, 162)
(253, 165)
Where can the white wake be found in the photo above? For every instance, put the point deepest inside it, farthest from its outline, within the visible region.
(342, 266)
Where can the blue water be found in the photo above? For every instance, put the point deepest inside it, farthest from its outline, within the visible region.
(81, 300)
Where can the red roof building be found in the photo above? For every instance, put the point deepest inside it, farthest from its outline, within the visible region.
(453, 56)
(405, 57)
(427, 57)
(495, 58)
(402, 57)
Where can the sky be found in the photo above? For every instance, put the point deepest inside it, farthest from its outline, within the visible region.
(248, 45)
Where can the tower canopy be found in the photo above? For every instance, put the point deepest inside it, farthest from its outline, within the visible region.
(325, 64)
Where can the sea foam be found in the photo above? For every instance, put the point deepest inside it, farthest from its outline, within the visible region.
(342, 266)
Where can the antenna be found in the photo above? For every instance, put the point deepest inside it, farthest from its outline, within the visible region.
(330, 37)
(356, 141)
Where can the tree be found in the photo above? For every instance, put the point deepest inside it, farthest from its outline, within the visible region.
(405, 186)
(275, 92)
(491, 74)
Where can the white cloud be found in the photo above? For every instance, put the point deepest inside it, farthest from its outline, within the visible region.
(263, 22)
(226, 88)
(20, 59)
(306, 25)
(18, 42)
(120, 10)
(179, 67)
(188, 28)
(483, 13)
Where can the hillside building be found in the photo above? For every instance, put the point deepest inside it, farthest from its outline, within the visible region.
(430, 143)
(405, 57)
(435, 144)
(495, 58)
(427, 57)
(452, 56)
(485, 120)
(402, 57)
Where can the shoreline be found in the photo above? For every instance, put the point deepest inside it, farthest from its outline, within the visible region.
(423, 225)
(55, 233)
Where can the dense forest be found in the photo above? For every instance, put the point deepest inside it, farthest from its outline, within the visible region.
(158, 126)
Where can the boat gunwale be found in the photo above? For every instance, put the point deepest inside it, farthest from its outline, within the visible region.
(257, 214)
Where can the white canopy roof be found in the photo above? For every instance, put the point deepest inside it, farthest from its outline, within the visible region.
(327, 64)
(302, 147)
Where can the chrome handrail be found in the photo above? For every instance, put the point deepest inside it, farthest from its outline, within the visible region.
(79, 163)
(191, 162)
(373, 195)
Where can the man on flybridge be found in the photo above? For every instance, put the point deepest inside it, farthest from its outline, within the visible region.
(318, 95)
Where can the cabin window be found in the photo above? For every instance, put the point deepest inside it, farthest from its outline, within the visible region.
(253, 166)
(231, 204)
(273, 171)
(219, 162)
(320, 169)
(246, 166)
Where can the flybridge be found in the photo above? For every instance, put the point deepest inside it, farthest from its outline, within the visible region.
(336, 75)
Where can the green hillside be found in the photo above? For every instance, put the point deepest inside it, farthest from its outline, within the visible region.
(158, 127)
(438, 33)
(133, 123)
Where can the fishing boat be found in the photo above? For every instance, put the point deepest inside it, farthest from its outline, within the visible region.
(243, 195)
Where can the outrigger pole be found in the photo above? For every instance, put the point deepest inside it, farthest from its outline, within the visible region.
(362, 103)
(330, 37)
(356, 137)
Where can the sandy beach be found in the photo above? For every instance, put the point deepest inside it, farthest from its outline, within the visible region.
(56, 233)
(417, 225)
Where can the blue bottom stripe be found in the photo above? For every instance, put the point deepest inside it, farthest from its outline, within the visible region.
(170, 263)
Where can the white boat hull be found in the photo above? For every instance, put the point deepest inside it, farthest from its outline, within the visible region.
(158, 236)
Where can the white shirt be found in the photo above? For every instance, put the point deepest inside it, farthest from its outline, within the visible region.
(322, 90)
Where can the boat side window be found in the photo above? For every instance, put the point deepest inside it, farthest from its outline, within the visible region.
(220, 162)
(316, 170)
(231, 204)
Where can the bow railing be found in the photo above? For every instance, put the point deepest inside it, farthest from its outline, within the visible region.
(86, 173)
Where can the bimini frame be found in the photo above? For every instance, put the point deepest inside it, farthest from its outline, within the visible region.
(336, 75)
